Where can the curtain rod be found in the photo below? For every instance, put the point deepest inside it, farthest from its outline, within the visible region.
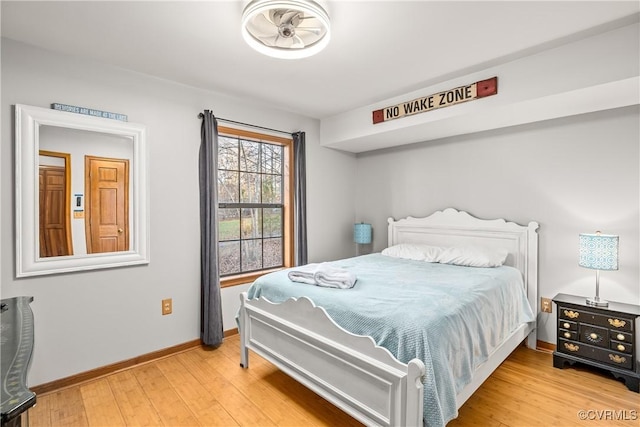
(248, 124)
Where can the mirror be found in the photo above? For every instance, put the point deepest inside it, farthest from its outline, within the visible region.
(81, 192)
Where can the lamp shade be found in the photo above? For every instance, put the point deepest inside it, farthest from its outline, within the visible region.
(362, 233)
(598, 251)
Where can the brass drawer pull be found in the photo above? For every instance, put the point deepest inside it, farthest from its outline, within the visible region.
(571, 314)
(593, 336)
(617, 323)
(620, 337)
(617, 359)
(567, 334)
(620, 347)
(571, 347)
(566, 325)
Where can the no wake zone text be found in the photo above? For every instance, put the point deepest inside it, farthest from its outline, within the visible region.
(446, 98)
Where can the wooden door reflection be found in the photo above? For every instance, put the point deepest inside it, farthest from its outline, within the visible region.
(54, 198)
(107, 204)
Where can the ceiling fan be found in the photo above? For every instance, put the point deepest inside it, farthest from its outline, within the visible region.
(286, 29)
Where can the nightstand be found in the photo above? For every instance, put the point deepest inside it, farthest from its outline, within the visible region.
(604, 337)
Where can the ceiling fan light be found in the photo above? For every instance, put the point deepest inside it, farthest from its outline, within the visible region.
(269, 26)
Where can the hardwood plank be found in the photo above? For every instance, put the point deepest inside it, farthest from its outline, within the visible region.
(525, 391)
(169, 406)
(243, 411)
(135, 406)
(281, 410)
(206, 409)
(40, 415)
(67, 408)
(100, 405)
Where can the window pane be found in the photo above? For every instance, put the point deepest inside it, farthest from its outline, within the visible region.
(273, 253)
(249, 188)
(227, 153)
(251, 223)
(271, 158)
(272, 222)
(251, 255)
(228, 188)
(271, 189)
(228, 224)
(229, 257)
(251, 173)
(249, 156)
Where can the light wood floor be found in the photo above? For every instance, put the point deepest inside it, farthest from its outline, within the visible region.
(208, 387)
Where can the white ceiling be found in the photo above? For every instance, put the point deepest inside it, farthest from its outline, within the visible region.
(378, 49)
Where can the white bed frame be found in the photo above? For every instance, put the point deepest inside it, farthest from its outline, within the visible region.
(351, 371)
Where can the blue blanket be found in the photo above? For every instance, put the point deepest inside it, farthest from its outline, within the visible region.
(450, 317)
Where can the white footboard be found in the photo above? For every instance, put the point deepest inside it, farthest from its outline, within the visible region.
(348, 370)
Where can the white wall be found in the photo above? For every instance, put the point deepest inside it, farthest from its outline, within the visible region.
(91, 319)
(586, 75)
(572, 175)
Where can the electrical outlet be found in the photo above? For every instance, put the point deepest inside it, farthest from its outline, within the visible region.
(167, 306)
(545, 305)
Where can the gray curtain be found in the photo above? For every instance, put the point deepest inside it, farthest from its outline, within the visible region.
(300, 198)
(211, 331)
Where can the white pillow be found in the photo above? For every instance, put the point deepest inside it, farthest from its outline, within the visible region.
(415, 252)
(473, 257)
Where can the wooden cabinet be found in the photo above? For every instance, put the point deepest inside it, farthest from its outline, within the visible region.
(604, 337)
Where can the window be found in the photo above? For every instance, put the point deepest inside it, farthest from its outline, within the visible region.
(255, 202)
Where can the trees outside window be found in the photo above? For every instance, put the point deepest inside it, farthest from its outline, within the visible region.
(255, 232)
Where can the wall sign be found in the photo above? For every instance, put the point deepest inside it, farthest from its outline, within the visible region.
(89, 112)
(443, 99)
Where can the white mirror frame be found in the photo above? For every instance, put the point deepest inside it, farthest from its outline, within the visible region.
(28, 121)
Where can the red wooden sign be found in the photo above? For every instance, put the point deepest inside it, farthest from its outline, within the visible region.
(443, 99)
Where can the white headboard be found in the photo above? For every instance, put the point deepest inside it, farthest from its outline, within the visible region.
(452, 228)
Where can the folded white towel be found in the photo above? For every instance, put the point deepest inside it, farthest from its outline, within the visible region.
(334, 277)
(323, 274)
(304, 274)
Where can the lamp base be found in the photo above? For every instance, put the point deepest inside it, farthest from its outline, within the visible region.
(597, 302)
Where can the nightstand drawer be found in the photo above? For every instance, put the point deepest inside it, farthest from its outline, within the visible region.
(605, 320)
(594, 335)
(622, 347)
(569, 313)
(619, 323)
(569, 335)
(568, 325)
(621, 336)
(611, 358)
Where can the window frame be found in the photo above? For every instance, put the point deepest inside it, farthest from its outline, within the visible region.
(287, 202)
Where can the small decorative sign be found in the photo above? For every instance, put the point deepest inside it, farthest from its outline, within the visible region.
(89, 112)
(443, 99)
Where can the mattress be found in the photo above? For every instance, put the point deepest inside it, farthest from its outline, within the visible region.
(450, 317)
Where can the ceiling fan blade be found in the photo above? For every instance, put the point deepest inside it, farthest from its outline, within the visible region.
(291, 17)
(269, 40)
(297, 43)
(262, 27)
(314, 30)
(275, 16)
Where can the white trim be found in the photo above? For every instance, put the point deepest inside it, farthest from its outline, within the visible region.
(28, 120)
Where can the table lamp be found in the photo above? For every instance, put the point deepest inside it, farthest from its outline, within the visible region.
(361, 234)
(599, 252)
